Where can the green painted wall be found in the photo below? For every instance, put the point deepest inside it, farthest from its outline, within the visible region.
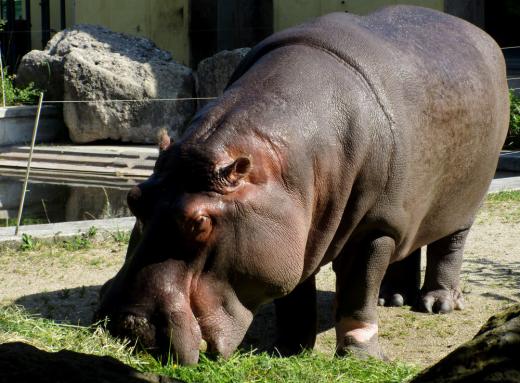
(291, 12)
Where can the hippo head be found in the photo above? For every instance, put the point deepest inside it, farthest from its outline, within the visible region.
(217, 235)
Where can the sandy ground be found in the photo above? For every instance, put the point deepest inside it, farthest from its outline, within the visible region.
(64, 285)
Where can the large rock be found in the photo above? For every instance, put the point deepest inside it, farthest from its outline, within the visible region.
(213, 73)
(93, 63)
(493, 355)
(44, 70)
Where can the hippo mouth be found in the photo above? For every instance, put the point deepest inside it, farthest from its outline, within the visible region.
(173, 337)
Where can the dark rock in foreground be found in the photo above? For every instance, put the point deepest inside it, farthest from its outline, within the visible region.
(20, 362)
(493, 355)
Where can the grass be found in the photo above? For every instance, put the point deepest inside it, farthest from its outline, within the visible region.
(503, 206)
(513, 135)
(18, 325)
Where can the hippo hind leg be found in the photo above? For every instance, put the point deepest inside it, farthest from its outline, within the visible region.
(441, 291)
(296, 317)
(402, 282)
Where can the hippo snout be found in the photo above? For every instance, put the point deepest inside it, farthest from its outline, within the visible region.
(174, 335)
(136, 328)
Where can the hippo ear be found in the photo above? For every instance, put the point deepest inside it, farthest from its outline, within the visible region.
(163, 139)
(237, 171)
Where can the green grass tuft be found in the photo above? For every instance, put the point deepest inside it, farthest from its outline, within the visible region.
(18, 325)
(503, 207)
(504, 196)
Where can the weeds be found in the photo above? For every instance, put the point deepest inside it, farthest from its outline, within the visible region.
(28, 243)
(81, 241)
(121, 237)
(19, 96)
(513, 135)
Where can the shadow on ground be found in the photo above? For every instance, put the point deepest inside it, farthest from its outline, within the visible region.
(20, 362)
(77, 306)
(494, 276)
(262, 333)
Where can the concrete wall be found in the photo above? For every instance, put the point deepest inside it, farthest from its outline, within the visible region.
(17, 123)
(55, 19)
(291, 12)
(166, 22)
(217, 23)
(470, 10)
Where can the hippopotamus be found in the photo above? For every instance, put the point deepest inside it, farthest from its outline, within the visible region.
(351, 140)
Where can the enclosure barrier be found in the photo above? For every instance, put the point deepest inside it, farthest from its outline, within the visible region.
(41, 102)
(35, 130)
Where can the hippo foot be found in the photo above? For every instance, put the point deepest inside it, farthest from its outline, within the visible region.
(441, 301)
(357, 338)
(400, 285)
(361, 350)
(396, 299)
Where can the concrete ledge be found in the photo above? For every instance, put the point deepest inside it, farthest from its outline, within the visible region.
(17, 123)
(509, 161)
(64, 230)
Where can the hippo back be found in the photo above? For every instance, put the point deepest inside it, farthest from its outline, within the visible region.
(441, 84)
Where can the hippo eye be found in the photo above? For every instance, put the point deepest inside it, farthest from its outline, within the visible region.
(200, 228)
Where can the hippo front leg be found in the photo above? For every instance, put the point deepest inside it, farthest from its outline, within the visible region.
(358, 277)
(296, 319)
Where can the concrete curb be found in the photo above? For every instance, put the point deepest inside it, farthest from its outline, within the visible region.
(509, 161)
(508, 178)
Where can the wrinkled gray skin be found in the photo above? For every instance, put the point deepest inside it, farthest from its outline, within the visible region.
(351, 140)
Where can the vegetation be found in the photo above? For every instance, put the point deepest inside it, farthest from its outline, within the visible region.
(19, 96)
(17, 325)
(503, 206)
(81, 241)
(513, 136)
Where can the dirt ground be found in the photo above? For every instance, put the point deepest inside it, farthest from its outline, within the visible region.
(63, 285)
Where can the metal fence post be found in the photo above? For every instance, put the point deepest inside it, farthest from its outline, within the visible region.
(24, 190)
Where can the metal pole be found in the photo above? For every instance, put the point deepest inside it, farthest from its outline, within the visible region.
(2, 70)
(24, 190)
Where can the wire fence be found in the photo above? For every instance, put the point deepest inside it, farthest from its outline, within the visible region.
(127, 100)
(158, 99)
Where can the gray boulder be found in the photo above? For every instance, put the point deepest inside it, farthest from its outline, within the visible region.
(93, 63)
(493, 355)
(213, 73)
(44, 70)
